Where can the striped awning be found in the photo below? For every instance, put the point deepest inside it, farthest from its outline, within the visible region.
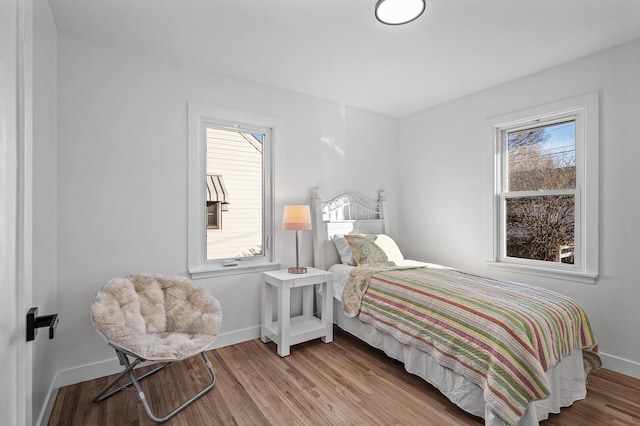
(216, 191)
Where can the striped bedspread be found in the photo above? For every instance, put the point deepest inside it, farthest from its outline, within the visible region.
(501, 336)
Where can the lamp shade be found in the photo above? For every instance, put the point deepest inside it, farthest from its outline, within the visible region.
(297, 217)
(398, 12)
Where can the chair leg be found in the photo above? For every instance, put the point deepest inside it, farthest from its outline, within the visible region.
(140, 393)
(130, 366)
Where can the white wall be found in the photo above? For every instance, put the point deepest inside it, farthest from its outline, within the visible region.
(122, 188)
(45, 198)
(445, 180)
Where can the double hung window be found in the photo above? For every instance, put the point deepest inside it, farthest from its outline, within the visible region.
(546, 190)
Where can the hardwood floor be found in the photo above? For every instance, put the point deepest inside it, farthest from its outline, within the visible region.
(342, 383)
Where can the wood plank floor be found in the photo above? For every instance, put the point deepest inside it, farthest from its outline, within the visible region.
(342, 383)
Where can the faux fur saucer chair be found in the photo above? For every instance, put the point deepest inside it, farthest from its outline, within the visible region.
(151, 317)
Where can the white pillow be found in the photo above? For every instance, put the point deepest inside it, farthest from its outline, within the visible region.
(390, 248)
(344, 250)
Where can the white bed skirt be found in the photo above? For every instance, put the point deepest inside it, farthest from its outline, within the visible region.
(567, 379)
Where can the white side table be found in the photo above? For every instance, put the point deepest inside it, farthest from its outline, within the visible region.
(289, 331)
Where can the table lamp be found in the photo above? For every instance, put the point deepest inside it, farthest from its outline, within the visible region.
(297, 217)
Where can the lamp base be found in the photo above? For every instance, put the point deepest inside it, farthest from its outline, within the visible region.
(297, 270)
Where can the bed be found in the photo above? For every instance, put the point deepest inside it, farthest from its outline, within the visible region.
(514, 381)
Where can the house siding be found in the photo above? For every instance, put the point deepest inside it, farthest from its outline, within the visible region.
(237, 157)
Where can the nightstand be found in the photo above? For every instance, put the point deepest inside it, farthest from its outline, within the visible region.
(289, 331)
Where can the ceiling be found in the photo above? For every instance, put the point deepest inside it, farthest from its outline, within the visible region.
(336, 50)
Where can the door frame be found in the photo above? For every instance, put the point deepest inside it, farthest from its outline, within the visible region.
(16, 193)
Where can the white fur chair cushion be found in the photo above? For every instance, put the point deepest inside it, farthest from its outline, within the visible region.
(157, 317)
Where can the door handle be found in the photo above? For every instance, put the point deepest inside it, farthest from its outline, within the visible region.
(34, 322)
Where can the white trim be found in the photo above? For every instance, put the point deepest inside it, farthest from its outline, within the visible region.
(198, 115)
(236, 337)
(24, 277)
(621, 365)
(107, 367)
(90, 371)
(232, 270)
(49, 402)
(585, 110)
(557, 273)
(11, 405)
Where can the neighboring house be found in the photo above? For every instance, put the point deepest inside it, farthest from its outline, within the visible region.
(234, 203)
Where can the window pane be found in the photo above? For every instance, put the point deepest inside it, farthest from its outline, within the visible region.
(542, 158)
(235, 172)
(541, 228)
(212, 214)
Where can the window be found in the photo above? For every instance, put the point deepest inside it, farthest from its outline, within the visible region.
(230, 192)
(213, 215)
(539, 191)
(545, 206)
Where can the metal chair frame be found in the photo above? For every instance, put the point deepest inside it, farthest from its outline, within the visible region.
(123, 356)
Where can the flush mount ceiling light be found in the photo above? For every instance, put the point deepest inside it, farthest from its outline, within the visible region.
(398, 12)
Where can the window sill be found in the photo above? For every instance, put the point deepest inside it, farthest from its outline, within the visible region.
(581, 277)
(221, 271)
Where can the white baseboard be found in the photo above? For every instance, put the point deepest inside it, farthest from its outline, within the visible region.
(233, 338)
(621, 365)
(47, 406)
(82, 373)
(107, 367)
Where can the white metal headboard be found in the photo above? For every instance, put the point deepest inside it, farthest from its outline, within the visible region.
(348, 213)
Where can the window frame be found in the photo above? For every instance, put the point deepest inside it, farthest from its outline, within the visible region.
(199, 115)
(585, 111)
